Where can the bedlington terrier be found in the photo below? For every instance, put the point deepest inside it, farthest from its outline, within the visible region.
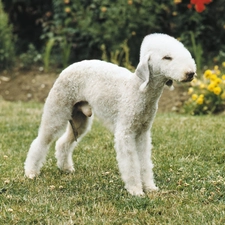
(126, 102)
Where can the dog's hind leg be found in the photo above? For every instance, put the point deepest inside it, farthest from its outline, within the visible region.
(76, 129)
(40, 146)
(54, 120)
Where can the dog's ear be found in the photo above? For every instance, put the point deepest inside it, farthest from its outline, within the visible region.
(143, 71)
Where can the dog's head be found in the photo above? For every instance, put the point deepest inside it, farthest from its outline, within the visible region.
(164, 58)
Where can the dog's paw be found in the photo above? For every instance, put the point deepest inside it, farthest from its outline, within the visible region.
(151, 188)
(69, 169)
(135, 191)
(31, 174)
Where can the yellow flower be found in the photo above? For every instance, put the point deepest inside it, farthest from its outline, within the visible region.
(223, 64)
(218, 81)
(213, 77)
(177, 1)
(216, 67)
(217, 72)
(190, 90)
(194, 97)
(200, 100)
(67, 10)
(211, 87)
(217, 90)
(223, 95)
(130, 2)
(174, 13)
(202, 86)
(103, 9)
(223, 77)
(194, 82)
(207, 74)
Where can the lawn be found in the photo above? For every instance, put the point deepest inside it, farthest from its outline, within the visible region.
(189, 158)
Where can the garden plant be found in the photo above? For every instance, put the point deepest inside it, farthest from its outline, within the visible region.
(207, 94)
(80, 28)
(7, 40)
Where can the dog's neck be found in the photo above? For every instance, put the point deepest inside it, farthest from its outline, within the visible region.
(150, 97)
(157, 82)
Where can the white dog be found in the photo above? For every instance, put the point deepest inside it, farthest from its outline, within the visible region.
(126, 102)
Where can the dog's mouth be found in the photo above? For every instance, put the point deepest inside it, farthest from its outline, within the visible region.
(169, 83)
(188, 78)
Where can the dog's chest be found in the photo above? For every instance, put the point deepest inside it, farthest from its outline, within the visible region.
(137, 117)
(145, 118)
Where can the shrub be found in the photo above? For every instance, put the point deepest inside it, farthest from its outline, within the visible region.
(7, 39)
(207, 95)
(87, 25)
(82, 27)
(120, 56)
(30, 58)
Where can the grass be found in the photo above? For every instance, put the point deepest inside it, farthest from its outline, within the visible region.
(189, 158)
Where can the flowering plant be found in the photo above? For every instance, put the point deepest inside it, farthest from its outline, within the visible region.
(207, 95)
(200, 4)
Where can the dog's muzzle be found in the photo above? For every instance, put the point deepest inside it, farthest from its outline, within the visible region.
(189, 77)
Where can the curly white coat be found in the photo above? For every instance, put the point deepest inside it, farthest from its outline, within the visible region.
(126, 102)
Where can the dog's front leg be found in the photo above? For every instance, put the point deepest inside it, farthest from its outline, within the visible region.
(144, 147)
(128, 162)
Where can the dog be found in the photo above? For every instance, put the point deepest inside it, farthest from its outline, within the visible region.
(126, 102)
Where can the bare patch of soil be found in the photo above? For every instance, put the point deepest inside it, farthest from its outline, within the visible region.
(26, 85)
(34, 86)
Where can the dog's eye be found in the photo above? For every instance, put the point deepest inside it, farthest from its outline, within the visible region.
(167, 57)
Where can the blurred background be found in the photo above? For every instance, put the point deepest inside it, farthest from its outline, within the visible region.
(38, 38)
(58, 32)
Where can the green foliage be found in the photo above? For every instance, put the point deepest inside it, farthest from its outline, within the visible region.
(119, 57)
(30, 58)
(207, 27)
(80, 28)
(87, 26)
(7, 39)
(47, 53)
(64, 50)
(207, 94)
(189, 170)
(197, 52)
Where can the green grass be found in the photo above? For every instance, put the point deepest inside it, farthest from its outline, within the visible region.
(189, 158)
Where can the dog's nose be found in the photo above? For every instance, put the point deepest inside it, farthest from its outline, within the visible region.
(190, 75)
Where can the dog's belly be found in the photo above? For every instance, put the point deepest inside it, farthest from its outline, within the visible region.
(106, 118)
